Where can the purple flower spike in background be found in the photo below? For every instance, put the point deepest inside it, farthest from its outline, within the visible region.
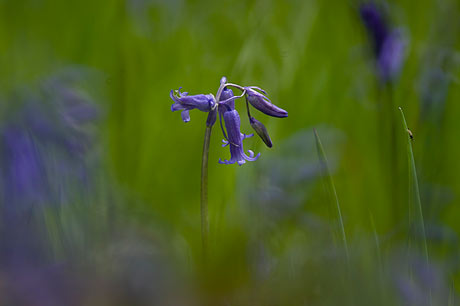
(375, 24)
(184, 102)
(391, 56)
(389, 44)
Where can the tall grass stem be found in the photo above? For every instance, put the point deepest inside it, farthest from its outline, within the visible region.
(413, 174)
(325, 168)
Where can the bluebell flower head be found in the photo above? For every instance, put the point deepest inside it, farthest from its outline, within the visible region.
(262, 103)
(184, 102)
(224, 106)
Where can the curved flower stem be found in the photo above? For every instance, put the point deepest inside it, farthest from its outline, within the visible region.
(204, 175)
(235, 86)
(204, 193)
(204, 182)
(247, 108)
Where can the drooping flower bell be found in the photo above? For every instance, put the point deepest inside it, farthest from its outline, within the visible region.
(262, 103)
(224, 106)
(234, 136)
(184, 102)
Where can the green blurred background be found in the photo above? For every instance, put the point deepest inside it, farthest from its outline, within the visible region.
(314, 59)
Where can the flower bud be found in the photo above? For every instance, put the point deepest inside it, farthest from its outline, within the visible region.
(261, 130)
(263, 104)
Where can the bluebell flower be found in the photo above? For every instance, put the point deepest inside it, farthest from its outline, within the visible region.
(39, 168)
(184, 102)
(262, 103)
(389, 44)
(235, 139)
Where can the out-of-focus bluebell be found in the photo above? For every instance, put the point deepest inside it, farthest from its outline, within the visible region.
(420, 283)
(440, 67)
(46, 161)
(224, 105)
(389, 44)
(51, 285)
(433, 89)
(45, 143)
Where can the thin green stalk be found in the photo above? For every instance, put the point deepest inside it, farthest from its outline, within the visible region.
(451, 294)
(379, 256)
(204, 193)
(413, 172)
(325, 167)
(418, 202)
(377, 243)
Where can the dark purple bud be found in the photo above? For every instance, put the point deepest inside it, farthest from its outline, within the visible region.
(184, 102)
(235, 140)
(261, 130)
(263, 104)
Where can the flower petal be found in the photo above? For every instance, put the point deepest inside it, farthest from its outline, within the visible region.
(185, 115)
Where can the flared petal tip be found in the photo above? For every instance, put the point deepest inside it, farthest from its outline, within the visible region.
(185, 116)
(251, 156)
(283, 114)
(224, 162)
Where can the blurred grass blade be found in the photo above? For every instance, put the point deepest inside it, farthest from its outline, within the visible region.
(325, 169)
(414, 181)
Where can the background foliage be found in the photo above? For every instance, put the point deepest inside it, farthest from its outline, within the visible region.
(275, 240)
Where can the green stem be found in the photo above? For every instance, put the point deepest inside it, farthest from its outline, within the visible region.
(204, 193)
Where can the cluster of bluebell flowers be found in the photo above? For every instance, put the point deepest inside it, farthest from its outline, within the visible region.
(223, 105)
